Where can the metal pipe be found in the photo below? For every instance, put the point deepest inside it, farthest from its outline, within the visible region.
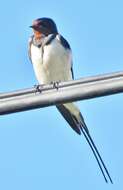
(64, 94)
(63, 84)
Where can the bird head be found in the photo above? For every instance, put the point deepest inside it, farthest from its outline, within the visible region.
(44, 26)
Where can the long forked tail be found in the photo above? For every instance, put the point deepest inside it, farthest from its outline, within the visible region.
(75, 119)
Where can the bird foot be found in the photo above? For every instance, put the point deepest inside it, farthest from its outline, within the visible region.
(38, 88)
(55, 84)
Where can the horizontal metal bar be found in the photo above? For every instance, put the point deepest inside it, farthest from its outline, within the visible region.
(63, 84)
(64, 94)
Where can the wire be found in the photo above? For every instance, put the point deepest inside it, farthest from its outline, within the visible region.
(87, 88)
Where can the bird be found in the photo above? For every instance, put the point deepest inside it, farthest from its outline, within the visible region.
(51, 57)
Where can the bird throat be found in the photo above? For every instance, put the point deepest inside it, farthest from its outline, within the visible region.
(37, 35)
(38, 38)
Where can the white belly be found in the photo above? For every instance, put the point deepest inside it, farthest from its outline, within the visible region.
(54, 65)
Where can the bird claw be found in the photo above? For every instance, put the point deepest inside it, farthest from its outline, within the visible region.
(55, 84)
(38, 88)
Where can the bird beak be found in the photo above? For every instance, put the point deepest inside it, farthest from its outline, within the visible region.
(31, 26)
(34, 27)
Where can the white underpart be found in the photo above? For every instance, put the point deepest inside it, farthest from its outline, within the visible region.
(53, 65)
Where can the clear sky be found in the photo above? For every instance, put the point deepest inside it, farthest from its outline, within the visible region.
(37, 148)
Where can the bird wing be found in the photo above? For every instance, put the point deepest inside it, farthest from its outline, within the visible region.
(72, 115)
(29, 47)
(66, 45)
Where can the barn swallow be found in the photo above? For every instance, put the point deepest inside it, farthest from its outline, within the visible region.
(51, 57)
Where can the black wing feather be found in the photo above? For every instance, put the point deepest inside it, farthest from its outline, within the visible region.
(69, 118)
(64, 42)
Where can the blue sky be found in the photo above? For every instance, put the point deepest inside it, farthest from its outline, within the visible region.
(37, 148)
